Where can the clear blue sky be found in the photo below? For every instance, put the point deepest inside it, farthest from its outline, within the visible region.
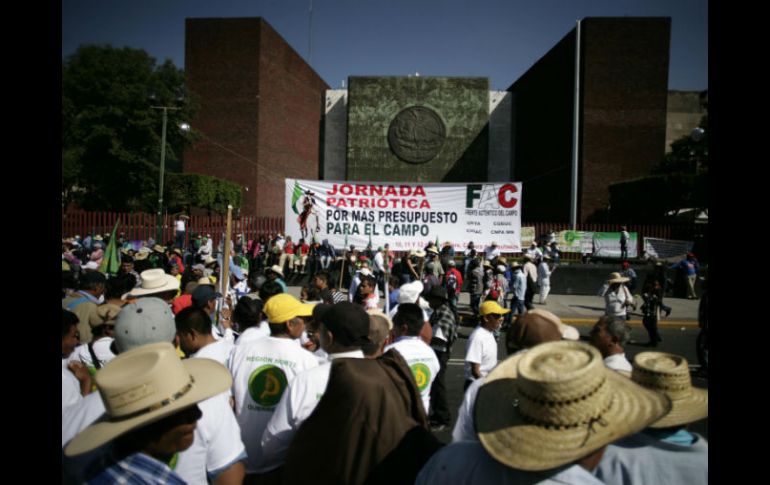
(498, 39)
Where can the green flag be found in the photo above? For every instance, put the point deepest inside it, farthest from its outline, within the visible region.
(111, 261)
(295, 197)
(437, 243)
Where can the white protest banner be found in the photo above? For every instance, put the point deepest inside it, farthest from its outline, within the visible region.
(405, 215)
(575, 241)
(666, 248)
(607, 245)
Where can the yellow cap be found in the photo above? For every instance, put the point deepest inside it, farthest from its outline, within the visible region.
(490, 306)
(283, 307)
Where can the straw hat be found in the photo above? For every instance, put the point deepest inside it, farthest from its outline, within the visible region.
(208, 260)
(670, 374)
(155, 281)
(142, 386)
(158, 248)
(417, 252)
(617, 278)
(557, 403)
(106, 313)
(433, 250)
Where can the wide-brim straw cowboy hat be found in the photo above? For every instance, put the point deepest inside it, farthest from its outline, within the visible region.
(417, 252)
(144, 385)
(670, 374)
(155, 281)
(557, 403)
(617, 278)
(158, 248)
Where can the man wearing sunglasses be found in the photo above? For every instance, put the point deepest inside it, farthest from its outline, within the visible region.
(481, 354)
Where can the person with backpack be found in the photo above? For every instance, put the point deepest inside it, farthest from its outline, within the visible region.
(452, 282)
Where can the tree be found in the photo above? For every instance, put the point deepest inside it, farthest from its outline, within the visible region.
(680, 181)
(110, 133)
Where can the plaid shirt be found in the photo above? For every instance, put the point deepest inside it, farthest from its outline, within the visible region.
(137, 469)
(445, 319)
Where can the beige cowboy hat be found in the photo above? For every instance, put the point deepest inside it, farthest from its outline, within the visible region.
(433, 250)
(670, 374)
(276, 269)
(417, 252)
(617, 278)
(158, 248)
(556, 403)
(154, 281)
(208, 260)
(141, 255)
(145, 384)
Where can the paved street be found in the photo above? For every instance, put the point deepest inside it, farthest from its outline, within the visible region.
(678, 331)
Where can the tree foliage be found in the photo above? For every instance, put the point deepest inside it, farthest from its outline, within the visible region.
(679, 182)
(111, 134)
(188, 190)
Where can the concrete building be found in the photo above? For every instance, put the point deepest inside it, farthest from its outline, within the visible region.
(261, 107)
(622, 115)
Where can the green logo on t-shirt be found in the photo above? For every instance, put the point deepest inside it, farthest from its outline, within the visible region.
(266, 385)
(421, 375)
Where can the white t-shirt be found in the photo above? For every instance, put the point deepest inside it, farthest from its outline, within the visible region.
(253, 333)
(70, 387)
(101, 349)
(618, 362)
(180, 225)
(464, 429)
(468, 462)
(296, 405)
(482, 349)
(217, 443)
(422, 361)
(261, 372)
(219, 351)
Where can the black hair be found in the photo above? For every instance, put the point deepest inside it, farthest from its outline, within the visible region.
(409, 314)
(193, 318)
(313, 293)
(119, 285)
(68, 319)
(248, 312)
(270, 288)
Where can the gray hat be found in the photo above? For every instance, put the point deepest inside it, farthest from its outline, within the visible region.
(146, 321)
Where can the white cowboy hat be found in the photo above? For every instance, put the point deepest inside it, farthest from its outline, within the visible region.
(568, 332)
(556, 403)
(276, 269)
(154, 281)
(145, 384)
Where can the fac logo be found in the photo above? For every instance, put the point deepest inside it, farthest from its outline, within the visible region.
(421, 375)
(266, 385)
(491, 197)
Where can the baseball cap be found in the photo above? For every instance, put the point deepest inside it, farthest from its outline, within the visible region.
(146, 321)
(204, 294)
(348, 323)
(283, 307)
(490, 306)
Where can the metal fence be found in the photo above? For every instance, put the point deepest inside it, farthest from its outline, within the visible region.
(141, 227)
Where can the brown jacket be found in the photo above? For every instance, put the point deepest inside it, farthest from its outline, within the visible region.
(370, 414)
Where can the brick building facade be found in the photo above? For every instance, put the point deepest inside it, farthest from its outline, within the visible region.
(261, 108)
(622, 115)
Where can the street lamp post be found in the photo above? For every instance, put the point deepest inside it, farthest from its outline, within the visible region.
(185, 127)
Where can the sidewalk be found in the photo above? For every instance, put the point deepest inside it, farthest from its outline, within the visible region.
(586, 310)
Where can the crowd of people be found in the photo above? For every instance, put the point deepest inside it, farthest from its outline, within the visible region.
(165, 379)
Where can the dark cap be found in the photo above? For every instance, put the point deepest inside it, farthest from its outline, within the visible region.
(348, 323)
(436, 292)
(320, 310)
(204, 294)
